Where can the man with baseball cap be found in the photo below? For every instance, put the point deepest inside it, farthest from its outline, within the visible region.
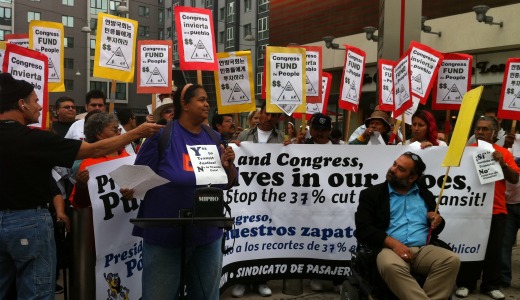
(27, 248)
(321, 126)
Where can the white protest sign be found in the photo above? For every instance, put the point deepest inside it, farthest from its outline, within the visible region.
(424, 65)
(286, 75)
(402, 87)
(196, 41)
(288, 109)
(313, 108)
(386, 84)
(509, 106)
(312, 70)
(234, 83)
(294, 207)
(154, 68)
(353, 72)
(20, 39)
(488, 169)
(453, 81)
(207, 165)
(47, 38)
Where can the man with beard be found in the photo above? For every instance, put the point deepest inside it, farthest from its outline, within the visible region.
(265, 131)
(394, 218)
(487, 129)
(224, 125)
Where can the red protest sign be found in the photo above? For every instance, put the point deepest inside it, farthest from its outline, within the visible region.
(385, 69)
(452, 82)
(352, 79)
(402, 85)
(509, 103)
(424, 65)
(312, 108)
(197, 48)
(154, 67)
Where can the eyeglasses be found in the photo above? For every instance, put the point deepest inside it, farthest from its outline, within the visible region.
(69, 107)
(96, 104)
(116, 130)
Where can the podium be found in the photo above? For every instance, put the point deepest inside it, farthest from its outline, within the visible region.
(221, 222)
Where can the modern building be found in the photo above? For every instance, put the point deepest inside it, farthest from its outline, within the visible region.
(234, 20)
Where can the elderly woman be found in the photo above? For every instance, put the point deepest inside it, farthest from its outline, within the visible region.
(379, 121)
(99, 126)
(162, 246)
(424, 130)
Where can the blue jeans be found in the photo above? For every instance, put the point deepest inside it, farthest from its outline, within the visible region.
(512, 226)
(27, 253)
(162, 267)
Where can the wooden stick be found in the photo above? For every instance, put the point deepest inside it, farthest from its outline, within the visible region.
(347, 127)
(199, 77)
(112, 97)
(403, 129)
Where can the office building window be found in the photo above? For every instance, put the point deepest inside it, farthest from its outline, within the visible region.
(247, 5)
(97, 6)
(31, 15)
(5, 16)
(247, 30)
(168, 32)
(161, 17)
(3, 33)
(263, 6)
(259, 82)
(120, 90)
(260, 54)
(68, 63)
(263, 28)
(67, 2)
(93, 26)
(67, 21)
(221, 13)
(229, 37)
(175, 52)
(192, 3)
(161, 33)
(208, 3)
(92, 47)
(231, 12)
(69, 84)
(221, 37)
(99, 85)
(68, 42)
(143, 30)
(144, 11)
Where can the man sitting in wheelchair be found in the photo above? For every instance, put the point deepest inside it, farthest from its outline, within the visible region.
(395, 218)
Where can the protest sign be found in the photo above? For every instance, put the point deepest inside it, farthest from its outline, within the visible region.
(20, 39)
(402, 86)
(313, 70)
(312, 108)
(154, 67)
(424, 65)
(234, 84)
(385, 69)
(115, 48)
(509, 103)
(452, 82)
(47, 38)
(197, 44)
(352, 79)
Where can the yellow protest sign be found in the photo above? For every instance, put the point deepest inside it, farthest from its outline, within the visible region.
(115, 48)
(47, 38)
(462, 127)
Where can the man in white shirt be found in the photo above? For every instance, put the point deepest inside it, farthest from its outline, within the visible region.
(95, 99)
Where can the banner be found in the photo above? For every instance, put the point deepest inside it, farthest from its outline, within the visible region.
(353, 73)
(118, 252)
(452, 82)
(115, 48)
(402, 86)
(234, 83)
(509, 106)
(47, 38)
(294, 207)
(197, 48)
(285, 79)
(154, 67)
(424, 65)
(312, 108)
(31, 66)
(385, 69)
(19, 39)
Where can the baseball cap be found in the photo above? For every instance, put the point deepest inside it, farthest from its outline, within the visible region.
(321, 121)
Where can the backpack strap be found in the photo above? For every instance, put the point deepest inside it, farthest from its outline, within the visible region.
(212, 134)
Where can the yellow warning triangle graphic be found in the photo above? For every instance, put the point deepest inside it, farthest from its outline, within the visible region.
(155, 77)
(118, 59)
(351, 94)
(417, 84)
(201, 52)
(53, 74)
(288, 93)
(237, 95)
(453, 94)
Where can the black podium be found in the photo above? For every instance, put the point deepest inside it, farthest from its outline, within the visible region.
(221, 222)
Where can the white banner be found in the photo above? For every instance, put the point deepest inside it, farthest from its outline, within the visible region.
(294, 207)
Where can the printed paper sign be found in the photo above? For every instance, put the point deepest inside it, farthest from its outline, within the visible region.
(286, 75)
(31, 66)
(207, 165)
(154, 67)
(453, 81)
(196, 41)
(312, 108)
(19, 39)
(115, 48)
(509, 106)
(488, 169)
(385, 69)
(353, 72)
(402, 86)
(234, 82)
(47, 38)
(424, 65)
(313, 72)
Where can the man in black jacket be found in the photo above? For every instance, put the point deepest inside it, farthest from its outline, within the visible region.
(395, 218)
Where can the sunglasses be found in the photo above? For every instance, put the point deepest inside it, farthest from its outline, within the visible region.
(412, 155)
